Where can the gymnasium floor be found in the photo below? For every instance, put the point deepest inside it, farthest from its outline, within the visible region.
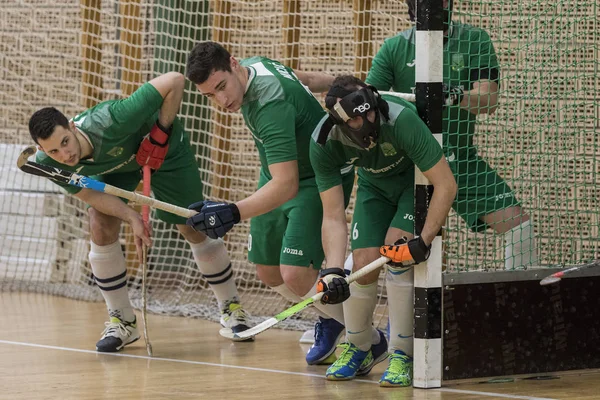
(47, 352)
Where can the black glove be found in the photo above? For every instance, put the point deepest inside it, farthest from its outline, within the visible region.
(452, 95)
(405, 253)
(214, 219)
(333, 284)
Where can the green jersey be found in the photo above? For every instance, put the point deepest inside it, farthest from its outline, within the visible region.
(115, 129)
(468, 56)
(281, 113)
(403, 141)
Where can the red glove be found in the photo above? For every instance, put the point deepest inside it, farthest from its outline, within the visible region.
(154, 147)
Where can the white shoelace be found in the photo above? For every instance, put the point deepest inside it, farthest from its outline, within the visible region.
(114, 327)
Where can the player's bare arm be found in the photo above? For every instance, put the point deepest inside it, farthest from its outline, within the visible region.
(317, 82)
(155, 146)
(113, 206)
(482, 99)
(280, 189)
(444, 192)
(334, 228)
(335, 238)
(170, 86)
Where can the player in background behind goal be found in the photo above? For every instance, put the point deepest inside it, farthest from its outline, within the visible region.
(471, 76)
(285, 211)
(385, 138)
(111, 142)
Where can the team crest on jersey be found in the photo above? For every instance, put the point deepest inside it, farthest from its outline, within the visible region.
(458, 62)
(387, 149)
(115, 151)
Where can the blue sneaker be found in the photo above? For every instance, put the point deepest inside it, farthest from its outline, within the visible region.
(379, 353)
(327, 334)
(350, 361)
(399, 372)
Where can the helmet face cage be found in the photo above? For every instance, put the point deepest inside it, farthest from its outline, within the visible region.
(358, 104)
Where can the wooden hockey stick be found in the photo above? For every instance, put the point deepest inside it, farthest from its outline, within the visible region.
(146, 219)
(74, 179)
(557, 276)
(263, 326)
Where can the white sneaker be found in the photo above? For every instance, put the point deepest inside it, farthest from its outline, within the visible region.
(235, 318)
(118, 334)
(308, 337)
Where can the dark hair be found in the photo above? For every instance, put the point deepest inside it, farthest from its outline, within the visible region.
(349, 82)
(43, 122)
(204, 59)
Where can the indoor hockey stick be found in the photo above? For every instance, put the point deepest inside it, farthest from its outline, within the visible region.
(557, 276)
(263, 326)
(74, 179)
(146, 218)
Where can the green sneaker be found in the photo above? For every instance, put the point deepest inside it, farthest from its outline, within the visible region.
(400, 371)
(346, 366)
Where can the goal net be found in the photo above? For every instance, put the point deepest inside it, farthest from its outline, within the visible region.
(72, 54)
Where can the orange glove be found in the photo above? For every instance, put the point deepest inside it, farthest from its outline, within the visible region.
(405, 253)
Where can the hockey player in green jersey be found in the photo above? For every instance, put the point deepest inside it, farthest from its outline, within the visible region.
(471, 78)
(111, 142)
(385, 138)
(285, 211)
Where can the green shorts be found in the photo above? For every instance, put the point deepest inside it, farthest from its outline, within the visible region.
(176, 182)
(382, 203)
(291, 233)
(481, 191)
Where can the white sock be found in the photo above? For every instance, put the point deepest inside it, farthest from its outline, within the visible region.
(519, 246)
(287, 294)
(110, 273)
(327, 311)
(215, 266)
(349, 263)
(375, 337)
(400, 291)
(358, 312)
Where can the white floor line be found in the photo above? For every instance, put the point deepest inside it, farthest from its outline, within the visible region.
(506, 396)
(276, 371)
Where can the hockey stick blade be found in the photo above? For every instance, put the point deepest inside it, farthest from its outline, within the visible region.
(25, 154)
(557, 276)
(263, 326)
(549, 280)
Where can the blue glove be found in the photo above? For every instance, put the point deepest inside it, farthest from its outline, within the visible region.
(214, 219)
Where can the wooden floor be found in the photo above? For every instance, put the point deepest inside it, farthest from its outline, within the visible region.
(47, 352)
